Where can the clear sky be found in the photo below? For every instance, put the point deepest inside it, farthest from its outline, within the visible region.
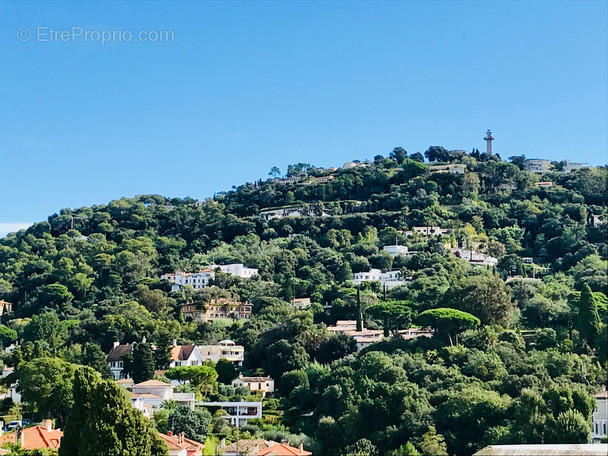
(238, 87)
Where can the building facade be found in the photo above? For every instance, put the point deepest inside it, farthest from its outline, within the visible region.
(196, 280)
(537, 165)
(217, 309)
(256, 385)
(600, 416)
(388, 280)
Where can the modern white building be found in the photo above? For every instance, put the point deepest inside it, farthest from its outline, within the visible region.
(600, 416)
(225, 349)
(256, 385)
(388, 280)
(537, 165)
(238, 412)
(152, 393)
(394, 250)
(357, 164)
(571, 166)
(428, 231)
(196, 280)
(453, 168)
(284, 212)
(475, 258)
(236, 269)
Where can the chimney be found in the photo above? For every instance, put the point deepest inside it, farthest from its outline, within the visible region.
(48, 424)
(223, 443)
(180, 439)
(170, 433)
(21, 437)
(301, 449)
(115, 344)
(175, 342)
(143, 340)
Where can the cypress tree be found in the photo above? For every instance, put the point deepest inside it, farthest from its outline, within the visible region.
(589, 322)
(143, 363)
(359, 317)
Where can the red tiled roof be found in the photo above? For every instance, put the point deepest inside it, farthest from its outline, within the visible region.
(179, 442)
(35, 437)
(181, 352)
(282, 449)
(248, 446)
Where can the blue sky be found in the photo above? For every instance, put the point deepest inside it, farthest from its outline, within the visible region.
(244, 86)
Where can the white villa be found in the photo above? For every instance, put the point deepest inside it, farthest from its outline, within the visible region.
(428, 231)
(475, 258)
(238, 412)
(149, 395)
(388, 280)
(263, 385)
(537, 165)
(236, 269)
(452, 168)
(225, 349)
(196, 280)
(394, 250)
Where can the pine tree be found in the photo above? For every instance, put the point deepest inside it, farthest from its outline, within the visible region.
(102, 421)
(143, 363)
(589, 322)
(92, 356)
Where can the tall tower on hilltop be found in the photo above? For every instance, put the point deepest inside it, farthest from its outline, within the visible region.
(489, 138)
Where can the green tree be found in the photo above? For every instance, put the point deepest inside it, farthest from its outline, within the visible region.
(162, 352)
(394, 314)
(142, 363)
(193, 423)
(102, 421)
(92, 356)
(46, 385)
(449, 322)
(7, 335)
(274, 172)
(361, 447)
(46, 327)
(433, 444)
(226, 372)
(588, 321)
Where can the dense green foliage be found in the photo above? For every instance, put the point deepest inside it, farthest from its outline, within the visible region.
(511, 360)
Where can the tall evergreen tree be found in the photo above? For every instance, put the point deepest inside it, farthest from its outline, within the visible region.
(102, 421)
(589, 322)
(142, 365)
(359, 316)
(92, 356)
(162, 353)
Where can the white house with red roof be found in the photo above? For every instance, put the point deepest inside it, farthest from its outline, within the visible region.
(35, 437)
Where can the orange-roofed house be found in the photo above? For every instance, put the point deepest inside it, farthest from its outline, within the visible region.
(282, 449)
(36, 437)
(179, 445)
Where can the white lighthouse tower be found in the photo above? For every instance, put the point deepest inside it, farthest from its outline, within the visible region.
(489, 138)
